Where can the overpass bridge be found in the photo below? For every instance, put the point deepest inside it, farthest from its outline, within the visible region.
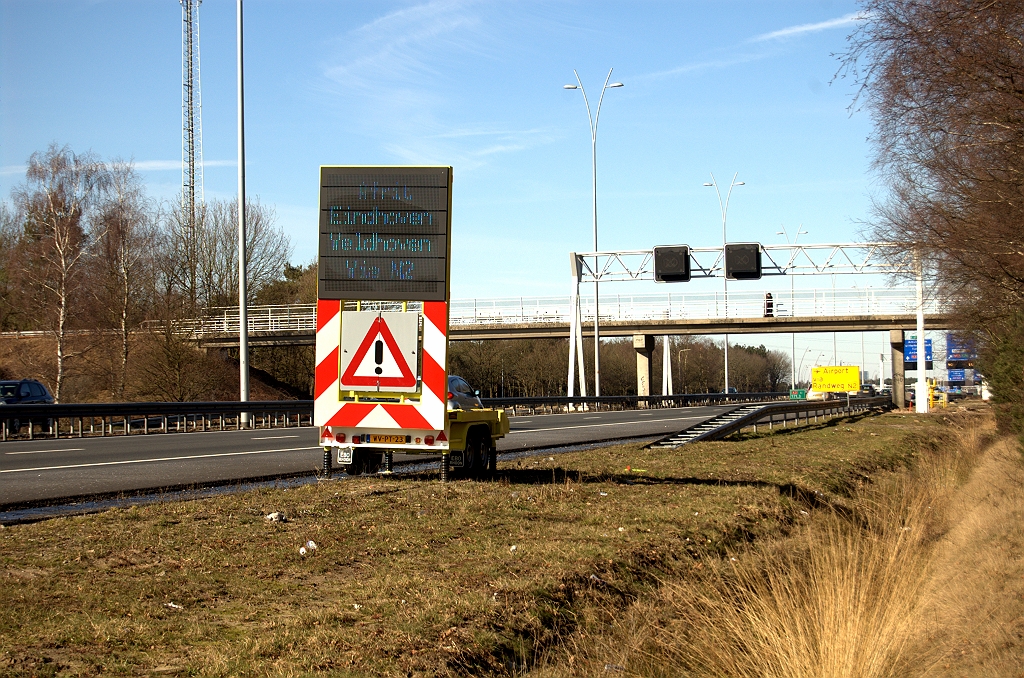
(706, 313)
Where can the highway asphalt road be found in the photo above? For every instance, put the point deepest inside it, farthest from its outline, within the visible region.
(42, 470)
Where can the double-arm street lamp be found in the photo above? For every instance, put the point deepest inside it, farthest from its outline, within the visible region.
(593, 119)
(725, 280)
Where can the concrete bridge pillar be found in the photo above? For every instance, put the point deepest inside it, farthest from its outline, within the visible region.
(896, 345)
(644, 345)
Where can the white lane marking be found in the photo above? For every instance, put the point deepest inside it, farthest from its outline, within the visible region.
(647, 414)
(272, 437)
(147, 461)
(591, 417)
(70, 449)
(614, 423)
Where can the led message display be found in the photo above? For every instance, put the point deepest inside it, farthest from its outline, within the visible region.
(384, 233)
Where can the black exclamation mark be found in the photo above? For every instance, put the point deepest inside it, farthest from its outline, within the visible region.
(378, 355)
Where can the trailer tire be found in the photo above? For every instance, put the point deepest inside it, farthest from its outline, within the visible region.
(358, 465)
(476, 453)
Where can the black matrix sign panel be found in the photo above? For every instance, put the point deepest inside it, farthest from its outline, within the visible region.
(384, 233)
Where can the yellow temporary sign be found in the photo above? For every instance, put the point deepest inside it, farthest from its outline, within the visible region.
(836, 378)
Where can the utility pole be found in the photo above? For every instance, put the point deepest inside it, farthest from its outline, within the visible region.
(243, 311)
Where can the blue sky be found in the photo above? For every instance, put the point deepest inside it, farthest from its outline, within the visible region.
(725, 87)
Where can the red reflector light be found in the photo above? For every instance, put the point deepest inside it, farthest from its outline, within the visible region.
(451, 396)
(355, 440)
(340, 437)
(429, 440)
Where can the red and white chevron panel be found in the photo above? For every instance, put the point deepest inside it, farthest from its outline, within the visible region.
(428, 414)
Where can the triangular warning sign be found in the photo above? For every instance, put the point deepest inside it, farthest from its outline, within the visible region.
(378, 360)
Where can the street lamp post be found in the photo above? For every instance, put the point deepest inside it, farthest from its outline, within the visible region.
(243, 297)
(800, 369)
(792, 299)
(725, 279)
(593, 119)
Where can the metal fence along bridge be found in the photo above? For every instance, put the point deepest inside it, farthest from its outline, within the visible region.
(851, 309)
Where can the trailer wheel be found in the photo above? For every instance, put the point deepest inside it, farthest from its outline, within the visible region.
(488, 456)
(358, 464)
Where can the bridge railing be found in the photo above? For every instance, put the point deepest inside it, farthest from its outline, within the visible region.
(867, 301)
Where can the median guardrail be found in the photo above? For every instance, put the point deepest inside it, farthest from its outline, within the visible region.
(751, 416)
(101, 419)
(556, 404)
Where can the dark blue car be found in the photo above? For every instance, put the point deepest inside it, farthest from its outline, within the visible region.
(22, 392)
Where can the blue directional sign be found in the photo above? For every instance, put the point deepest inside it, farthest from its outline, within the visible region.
(957, 375)
(910, 350)
(959, 350)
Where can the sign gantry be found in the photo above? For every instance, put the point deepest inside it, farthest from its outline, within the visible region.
(737, 261)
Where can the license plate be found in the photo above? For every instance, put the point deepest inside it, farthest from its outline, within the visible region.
(345, 456)
(456, 459)
(387, 440)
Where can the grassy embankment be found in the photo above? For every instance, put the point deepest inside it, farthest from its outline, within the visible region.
(412, 577)
(920, 573)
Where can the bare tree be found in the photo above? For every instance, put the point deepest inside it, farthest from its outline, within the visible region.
(180, 261)
(267, 250)
(942, 79)
(11, 290)
(201, 265)
(943, 82)
(59, 190)
(124, 255)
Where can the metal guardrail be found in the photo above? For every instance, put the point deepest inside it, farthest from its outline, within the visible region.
(769, 414)
(552, 404)
(101, 419)
(866, 301)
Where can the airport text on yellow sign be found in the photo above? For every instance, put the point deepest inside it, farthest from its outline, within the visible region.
(836, 378)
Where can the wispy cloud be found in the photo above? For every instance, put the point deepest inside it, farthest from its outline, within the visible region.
(750, 55)
(697, 66)
(8, 170)
(400, 65)
(791, 31)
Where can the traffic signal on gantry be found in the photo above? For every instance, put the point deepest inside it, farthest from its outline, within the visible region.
(672, 263)
(743, 261)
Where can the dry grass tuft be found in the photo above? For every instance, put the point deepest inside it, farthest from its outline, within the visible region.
(860, 590)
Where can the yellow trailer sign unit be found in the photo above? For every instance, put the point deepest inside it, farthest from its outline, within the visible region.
(381, 380)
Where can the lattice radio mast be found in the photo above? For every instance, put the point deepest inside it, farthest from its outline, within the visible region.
(191, 113)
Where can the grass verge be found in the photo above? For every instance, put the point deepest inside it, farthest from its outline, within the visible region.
(908, 576)
(411, 577)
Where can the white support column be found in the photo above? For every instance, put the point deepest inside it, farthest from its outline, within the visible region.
(921, 394)
(576, 331)
(666, 366)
